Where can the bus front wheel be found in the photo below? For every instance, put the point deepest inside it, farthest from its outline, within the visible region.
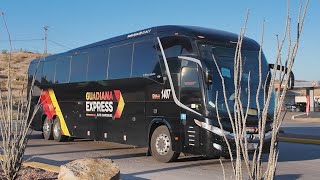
(47, 129)
(57, 134)
(161, 145)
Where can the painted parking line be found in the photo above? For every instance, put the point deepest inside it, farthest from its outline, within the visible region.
(311, 120)
(43, 166)
(297, 115)
(299, 140)
(46, 167)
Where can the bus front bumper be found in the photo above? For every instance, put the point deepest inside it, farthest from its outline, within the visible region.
(214, 141)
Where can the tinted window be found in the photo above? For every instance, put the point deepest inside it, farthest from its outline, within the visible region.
(97, 67)
(120, 62)
(62, 70)
(145, 60)
(38, 72)
(175, 46)
(48, 71)
(32, 70)
(79, 64)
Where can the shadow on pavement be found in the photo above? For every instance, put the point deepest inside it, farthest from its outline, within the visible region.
(288, 176)
(129, 177)
(125, 156)
(36, 158)
(43, 145)
(35, 136)
(298, 152)
(174, 167)
(87, 150)
(193, 158)
(305, 130)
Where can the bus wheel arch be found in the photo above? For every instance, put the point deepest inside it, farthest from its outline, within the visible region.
(153, 126)
(160, 142)
(57, 132)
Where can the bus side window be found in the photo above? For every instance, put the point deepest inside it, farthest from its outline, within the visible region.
(48, 71)
(63, 70)
(120, 59)
(79, 66)
(145, 60)
(97, 65)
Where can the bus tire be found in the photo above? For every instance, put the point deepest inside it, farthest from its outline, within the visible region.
(57, 134)
(161, 145)
(47, 129)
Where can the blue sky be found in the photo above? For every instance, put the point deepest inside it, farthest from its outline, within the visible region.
(74, 23)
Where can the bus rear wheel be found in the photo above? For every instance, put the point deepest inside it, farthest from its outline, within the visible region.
(161, 145)
(47, 129)
(57, 133)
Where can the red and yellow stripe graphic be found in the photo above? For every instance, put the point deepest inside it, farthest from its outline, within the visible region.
(51, 108)
(47, 105)
(121, 104)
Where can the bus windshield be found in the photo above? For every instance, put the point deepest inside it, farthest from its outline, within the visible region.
(225, 61)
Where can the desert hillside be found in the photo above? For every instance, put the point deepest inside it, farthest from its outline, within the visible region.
(19, 67)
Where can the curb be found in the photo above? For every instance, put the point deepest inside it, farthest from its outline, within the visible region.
(43, 166)
(299, 140)
(315, 120)
(46, 167)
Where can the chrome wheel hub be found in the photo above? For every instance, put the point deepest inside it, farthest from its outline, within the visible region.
(56, 130)
(163, 144)
(46, 127)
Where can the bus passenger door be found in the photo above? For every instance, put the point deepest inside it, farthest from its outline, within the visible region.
(190, 96)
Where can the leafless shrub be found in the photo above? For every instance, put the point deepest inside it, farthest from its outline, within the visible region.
(251, 167)
(14, 126)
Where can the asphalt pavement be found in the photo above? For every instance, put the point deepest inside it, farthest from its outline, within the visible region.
(296, 161)
(299, 156)
(301, 130)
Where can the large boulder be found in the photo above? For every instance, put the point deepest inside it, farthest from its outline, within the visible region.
(96, 169)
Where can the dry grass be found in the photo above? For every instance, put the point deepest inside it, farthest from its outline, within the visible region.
(20, 62)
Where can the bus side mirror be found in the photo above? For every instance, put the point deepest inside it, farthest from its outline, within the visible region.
(208, 77)
(285, 69)
(291, 81)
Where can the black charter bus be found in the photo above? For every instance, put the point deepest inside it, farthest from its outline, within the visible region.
(153, 88)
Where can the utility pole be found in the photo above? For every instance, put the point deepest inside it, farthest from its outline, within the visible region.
(45, 38)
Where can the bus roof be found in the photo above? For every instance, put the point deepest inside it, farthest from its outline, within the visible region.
(212, 34)
(197, 32)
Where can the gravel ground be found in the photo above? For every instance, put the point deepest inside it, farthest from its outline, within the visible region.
(28, 173)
